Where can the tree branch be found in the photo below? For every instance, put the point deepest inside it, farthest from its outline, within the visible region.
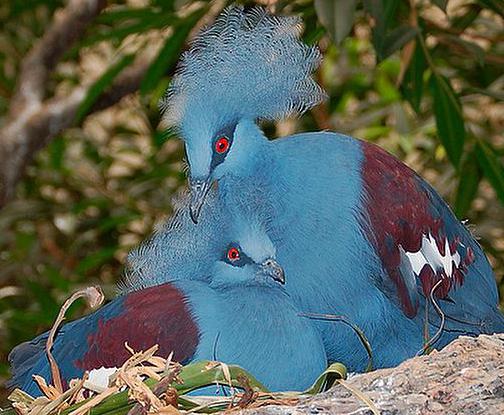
(32, 121)
(69, 25)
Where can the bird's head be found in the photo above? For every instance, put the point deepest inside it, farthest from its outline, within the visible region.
(214, 154)
(248, 259)
(248, 66)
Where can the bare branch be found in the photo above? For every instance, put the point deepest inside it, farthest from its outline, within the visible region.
(30, 119)
(20, 139)
(69, 25)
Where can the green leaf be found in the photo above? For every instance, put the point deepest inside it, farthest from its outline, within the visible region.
(169, 53)
(56, 150)
(397, 39)
(119, 32)
(327, 379)
(45, 300)
(449, 120)
(382, 12)
(492, 166)
(337, 17)
(412, 86)
(441, 4)
(203, 373)
(101, 85)
(468, 185)
(465, 20)
(122, 14)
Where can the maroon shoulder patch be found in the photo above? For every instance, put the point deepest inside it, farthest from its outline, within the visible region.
(155, 315)
(408, 236)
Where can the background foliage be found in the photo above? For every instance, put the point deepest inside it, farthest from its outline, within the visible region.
(424, 79)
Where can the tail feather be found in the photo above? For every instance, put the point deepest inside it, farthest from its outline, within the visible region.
(494, 323)
(23, 358)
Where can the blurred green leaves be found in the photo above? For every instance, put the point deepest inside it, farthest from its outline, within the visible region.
(169, 53)
(468, 184)
(405, 27)
(102, 84)
(336, 16)
(492, 167)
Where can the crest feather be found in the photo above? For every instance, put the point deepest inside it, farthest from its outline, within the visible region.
(249, 63)
(177, 249)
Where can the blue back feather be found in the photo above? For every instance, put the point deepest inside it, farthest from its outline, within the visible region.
(248, 64)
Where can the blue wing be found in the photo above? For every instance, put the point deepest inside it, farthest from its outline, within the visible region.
(155, 315)
(425, 250)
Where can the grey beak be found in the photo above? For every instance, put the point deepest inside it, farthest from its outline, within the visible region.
(271, 268)
(199, 191)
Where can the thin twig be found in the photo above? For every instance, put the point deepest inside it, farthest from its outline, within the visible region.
(94, 297)
(161, 388)
(441, 314)
(342, 319)
(364, 398)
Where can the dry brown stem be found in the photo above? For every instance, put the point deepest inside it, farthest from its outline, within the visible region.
(94, 297)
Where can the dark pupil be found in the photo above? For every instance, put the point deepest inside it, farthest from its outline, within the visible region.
(222, 145)
(234, 254)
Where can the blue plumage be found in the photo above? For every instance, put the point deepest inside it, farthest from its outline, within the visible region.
(359, 233)
(236, 312)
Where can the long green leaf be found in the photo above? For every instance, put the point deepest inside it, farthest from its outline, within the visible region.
(466, 19)
(119, 32)
(169, 53)
(122, 14)
(327, 378)
(397, 39)
(383, 12)
(492, 166)
(204, 373)
(474, 49)
(102, 84)
(336, 16)
(449, 120)
(412, 86)
(468, 185)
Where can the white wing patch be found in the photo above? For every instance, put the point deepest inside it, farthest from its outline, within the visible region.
(99, 378)
(429, 254)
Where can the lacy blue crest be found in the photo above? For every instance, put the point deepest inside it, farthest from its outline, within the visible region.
(248, 64)
(177, 249)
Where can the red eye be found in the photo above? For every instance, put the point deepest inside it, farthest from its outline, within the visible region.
(222, 145)
(233, 254)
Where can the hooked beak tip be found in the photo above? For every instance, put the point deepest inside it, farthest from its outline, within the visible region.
(194, 214)
(199, 190)
(280, 278)
(274, 270)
